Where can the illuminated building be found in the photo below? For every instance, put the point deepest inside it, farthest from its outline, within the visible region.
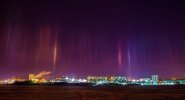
(18, 79)
(42, 81)
(61, 79)
(145, 81)
(167, 82)
(155, 79)
(102, 80)
(31, 76)
(117, 80)
(95, 79)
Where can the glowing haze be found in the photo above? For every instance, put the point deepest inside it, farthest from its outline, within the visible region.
(78, 38)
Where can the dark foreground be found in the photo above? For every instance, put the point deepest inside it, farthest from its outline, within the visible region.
(17, 92)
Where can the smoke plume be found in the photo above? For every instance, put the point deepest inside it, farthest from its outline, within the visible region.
(42, 74)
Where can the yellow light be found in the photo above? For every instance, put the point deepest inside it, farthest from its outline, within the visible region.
(54, 56)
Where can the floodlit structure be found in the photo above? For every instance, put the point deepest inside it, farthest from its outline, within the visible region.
(102, 80)
(167, 82)
(95, 79)
(155, 79)
(31, 76)
(145, 81)
(119, 80)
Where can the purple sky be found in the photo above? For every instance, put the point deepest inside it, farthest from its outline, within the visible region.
(129, 38)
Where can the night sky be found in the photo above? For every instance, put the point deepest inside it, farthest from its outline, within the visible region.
(102, 38)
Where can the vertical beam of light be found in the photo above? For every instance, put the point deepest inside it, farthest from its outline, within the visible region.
(119, 56)
(54, 56)
(54, 59)
(129, 62)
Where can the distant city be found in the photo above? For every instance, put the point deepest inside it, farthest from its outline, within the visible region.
(42, 78)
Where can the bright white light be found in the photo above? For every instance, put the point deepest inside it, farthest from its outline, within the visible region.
(84, 80)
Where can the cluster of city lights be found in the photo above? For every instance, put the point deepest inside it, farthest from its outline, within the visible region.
(97, 80)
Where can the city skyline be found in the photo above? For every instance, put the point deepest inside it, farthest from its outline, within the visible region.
(81, 38)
